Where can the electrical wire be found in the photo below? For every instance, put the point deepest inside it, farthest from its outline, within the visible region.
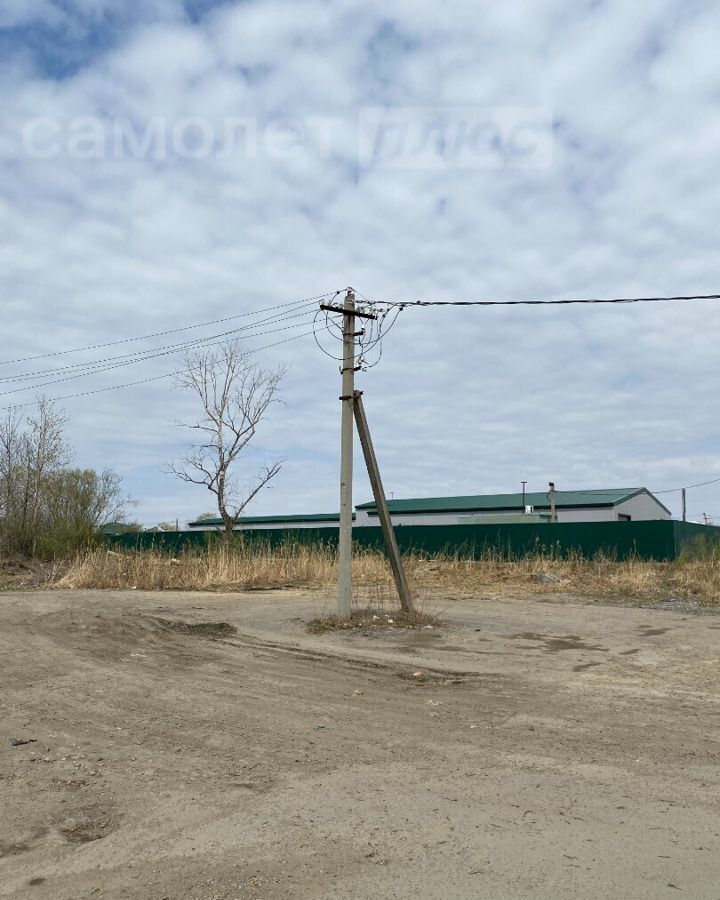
(169, 352)
(565, 302)
(326, 328)
(688, 486)
(143, 337)
(383, 308)
(116, 387)
(370, 336)
(151, 352)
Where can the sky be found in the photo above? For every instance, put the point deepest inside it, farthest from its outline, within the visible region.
(171, 163)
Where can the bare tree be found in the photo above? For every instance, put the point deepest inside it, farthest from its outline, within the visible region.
(235, 395)
(31, 451)
(11, 441)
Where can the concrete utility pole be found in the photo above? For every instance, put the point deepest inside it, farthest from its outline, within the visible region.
(381, 504)
(349, 314)
(523, 483)
(551, 497)
(684, 504)
(346, 458)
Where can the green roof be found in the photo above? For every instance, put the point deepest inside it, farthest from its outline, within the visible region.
(563, 500)
(273, 520)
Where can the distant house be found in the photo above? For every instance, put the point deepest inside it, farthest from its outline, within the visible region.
(255, 523)
(601, 505)
(121, 528)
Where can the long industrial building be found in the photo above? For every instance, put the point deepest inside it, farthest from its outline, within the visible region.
(597, 505)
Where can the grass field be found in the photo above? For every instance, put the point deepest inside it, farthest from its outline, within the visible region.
(695, 578)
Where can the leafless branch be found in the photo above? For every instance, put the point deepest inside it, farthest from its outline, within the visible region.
(235, 396)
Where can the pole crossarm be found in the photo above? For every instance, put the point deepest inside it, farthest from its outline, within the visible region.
(346, 312)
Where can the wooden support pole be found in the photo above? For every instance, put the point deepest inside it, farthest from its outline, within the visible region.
(381, 504)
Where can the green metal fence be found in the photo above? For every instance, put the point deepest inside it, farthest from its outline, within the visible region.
(658, 540)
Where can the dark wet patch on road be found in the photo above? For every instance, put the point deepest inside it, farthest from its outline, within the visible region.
(557, 643)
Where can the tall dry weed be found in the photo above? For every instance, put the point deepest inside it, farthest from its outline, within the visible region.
(248, 567)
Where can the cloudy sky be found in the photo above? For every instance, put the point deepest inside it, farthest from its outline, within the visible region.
(166, 164)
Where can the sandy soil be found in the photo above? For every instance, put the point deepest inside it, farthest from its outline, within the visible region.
(203, 746)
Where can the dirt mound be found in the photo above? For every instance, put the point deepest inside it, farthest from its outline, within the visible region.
(201, 629)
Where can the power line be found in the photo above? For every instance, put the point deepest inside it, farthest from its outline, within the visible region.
(148, 354)
(370, 335)
(116, 387)
(573, 300)
(151, 352)
(688, 486)
(143, 337)
(177, 349)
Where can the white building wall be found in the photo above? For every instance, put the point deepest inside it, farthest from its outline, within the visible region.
(564, 515)
(642, 508)
(589, 514)
(262, 526)
(417, 519)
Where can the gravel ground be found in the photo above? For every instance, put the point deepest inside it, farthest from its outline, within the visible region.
(204, 746)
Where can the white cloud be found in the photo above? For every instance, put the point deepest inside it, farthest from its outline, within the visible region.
(463, 400)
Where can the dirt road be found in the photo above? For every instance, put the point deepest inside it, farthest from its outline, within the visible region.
(202, 746)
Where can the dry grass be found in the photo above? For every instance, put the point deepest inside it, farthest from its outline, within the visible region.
(221, 567)
(689, 579)
(296, 566)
